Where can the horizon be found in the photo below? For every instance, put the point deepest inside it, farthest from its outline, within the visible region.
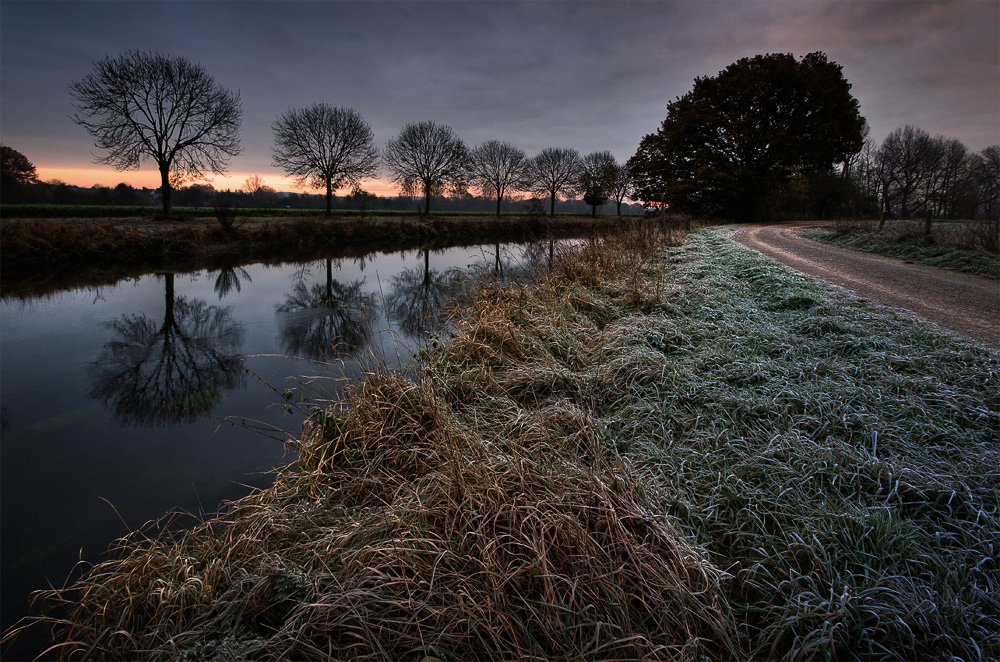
(590, 76)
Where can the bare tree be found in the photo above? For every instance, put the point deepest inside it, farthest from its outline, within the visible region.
(498, 168)
(986, 174)
(622, 185)
(597, 178)
(428, 157)
(259, 193)
(555, 171)
(323, 146)
(141, 105)
(909, 157)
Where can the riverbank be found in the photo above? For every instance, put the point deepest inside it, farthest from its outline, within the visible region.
(652, 452)
(36, 252)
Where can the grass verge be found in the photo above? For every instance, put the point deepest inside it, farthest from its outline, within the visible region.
(648, 454)
(966, 246)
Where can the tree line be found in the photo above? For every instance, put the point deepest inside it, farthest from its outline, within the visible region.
(22, 186)
(773, 137)
(911, 173)
(769, 137)
(143, 105)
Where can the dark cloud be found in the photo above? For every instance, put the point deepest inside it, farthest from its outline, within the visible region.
(587, 75)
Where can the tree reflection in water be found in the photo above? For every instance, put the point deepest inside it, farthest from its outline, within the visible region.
(418, 299)
(327, 320)
(165, 374)
(229, 280)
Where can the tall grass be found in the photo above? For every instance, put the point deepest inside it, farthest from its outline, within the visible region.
(651, 453)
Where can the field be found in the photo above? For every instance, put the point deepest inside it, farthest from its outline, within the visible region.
(662, 449)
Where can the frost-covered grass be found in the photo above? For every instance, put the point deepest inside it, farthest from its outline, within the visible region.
(657, 453)
(966, 246)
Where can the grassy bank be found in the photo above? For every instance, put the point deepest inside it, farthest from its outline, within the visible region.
(36, 252)
(657, 454)
(966, 246)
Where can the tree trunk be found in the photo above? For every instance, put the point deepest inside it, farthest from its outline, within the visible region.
(498, 204)
(168, 303)
(329, 198)
(427, 199)
(165, 189)
(552, 209)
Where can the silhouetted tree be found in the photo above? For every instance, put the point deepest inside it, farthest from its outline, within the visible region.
(427, 157)
(621, 185)
(497, 169)
(597, 177)
(15, 171)
(258, 193)
(141, 105)
(554, 171)
(325, 147)
(986, 174)
(736, 138)
(909, 158)
(164, 374)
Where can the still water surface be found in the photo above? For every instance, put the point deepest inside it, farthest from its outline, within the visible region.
(166, 392)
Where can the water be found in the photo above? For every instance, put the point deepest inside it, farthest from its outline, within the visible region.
(171, 392)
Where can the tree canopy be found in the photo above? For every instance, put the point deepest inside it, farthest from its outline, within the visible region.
(428, 157)
(325, 147)
(140, 105)
(737, 137)
(554, 171)
(15, 170)
(597, 178)
(497, 168)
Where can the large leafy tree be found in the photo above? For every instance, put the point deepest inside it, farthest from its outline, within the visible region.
(323, 146)
(140, 105)
(738, 137)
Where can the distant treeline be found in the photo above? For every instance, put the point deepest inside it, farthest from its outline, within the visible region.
(206, 196)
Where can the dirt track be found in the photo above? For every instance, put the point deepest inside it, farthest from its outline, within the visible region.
(961, 303)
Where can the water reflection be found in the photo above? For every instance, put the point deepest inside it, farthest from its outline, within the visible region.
(129, 427)
(418, 298)
(326, 320)
(229, 278)
(153, 374)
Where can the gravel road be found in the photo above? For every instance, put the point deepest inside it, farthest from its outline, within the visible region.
(965, 304)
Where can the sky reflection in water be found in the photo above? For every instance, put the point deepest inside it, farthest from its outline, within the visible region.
(165, 392)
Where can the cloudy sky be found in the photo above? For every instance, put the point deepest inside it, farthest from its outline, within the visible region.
(590, 75)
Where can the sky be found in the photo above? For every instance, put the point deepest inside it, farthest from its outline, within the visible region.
(587, 75)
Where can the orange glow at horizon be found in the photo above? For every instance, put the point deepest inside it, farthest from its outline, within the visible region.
(87, 177)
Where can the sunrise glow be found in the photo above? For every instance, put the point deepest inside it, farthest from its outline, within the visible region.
(94, 176)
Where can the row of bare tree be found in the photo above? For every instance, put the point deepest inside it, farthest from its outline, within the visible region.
(912, 173)
(331, 148)
(143, 105)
